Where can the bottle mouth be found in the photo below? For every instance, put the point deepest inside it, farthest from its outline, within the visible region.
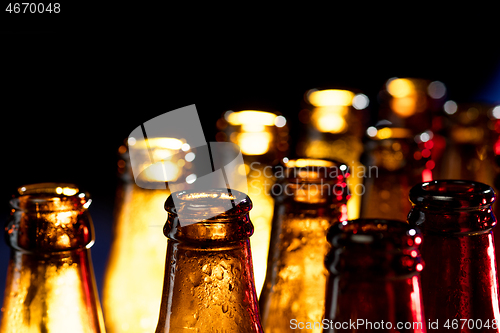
(378, 234)
(372, 248)
(50, 197)
(452, 194)
(201, 205)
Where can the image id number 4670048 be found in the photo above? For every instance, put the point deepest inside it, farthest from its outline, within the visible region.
(33, 8)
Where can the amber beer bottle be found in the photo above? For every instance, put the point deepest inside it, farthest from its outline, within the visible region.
(374, 285)
(311, 196)
(209, 284)
(50, 282)
(459, 284)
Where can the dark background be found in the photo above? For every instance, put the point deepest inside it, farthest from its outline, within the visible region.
(72, 87)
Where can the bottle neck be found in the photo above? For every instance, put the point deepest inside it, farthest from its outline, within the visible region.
(452, 207)
(209, 285)
(47, 219)
(467, 222)
(379, 262)
(208, 273)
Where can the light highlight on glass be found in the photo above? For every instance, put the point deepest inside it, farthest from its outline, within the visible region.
(329, 97)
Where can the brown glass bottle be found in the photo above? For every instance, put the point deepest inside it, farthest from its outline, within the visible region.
(209, 284)
(50, 282)
(310, 196)
(459, 284)
(374, 283)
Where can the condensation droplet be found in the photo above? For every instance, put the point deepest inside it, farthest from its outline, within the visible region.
(218, 272)
(195, 278)
(294, 245)
(206, 269)
(224, 264)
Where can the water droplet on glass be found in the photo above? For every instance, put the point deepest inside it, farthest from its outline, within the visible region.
(206, 269)
(218, 272)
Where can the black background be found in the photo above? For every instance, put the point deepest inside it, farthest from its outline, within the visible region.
(73, 86)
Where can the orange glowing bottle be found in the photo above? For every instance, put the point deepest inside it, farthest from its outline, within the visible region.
(311, 196)
(50, 282)
(209, 284)
(374, 285)
(459, 283)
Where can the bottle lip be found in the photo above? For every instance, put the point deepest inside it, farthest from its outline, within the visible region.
(206, 204)
(50, 197)
(452, 194)
(379, 234)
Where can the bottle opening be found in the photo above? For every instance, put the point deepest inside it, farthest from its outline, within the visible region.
(454, 194)
(368, 248)
(50, 197)
(380, 234)
(202, 205)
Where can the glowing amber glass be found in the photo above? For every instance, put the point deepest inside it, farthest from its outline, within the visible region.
(50, 282)
(136, 263)
(310, 198)
(208, 284)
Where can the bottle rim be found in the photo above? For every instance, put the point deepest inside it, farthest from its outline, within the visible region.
(212, 203)
(50, 196)
(452, 194)
(379, 234)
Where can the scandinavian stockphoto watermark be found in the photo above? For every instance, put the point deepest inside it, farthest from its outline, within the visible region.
(261, 179)
(359, 324)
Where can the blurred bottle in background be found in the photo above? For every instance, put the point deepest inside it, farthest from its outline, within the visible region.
(134, 275)
(404, 145)
(334, 122)
(263, 138)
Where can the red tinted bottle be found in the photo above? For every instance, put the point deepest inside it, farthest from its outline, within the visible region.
(374, 283)
(459, 284)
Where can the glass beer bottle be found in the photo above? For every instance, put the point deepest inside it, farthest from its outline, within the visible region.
(209, 284)
(310, 196)
(50, 282)
(374, 278)
(459, 284)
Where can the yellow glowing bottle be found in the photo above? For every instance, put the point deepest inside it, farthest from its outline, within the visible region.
(209, 285)
(50, 282)
(334, 123)
(263, 140)
(311, 196)
(134, 275)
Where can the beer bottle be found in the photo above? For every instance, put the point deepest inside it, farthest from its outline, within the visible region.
(459, 284)
(310, 196)
(50, 282)
(209, 284)
(374, 285)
